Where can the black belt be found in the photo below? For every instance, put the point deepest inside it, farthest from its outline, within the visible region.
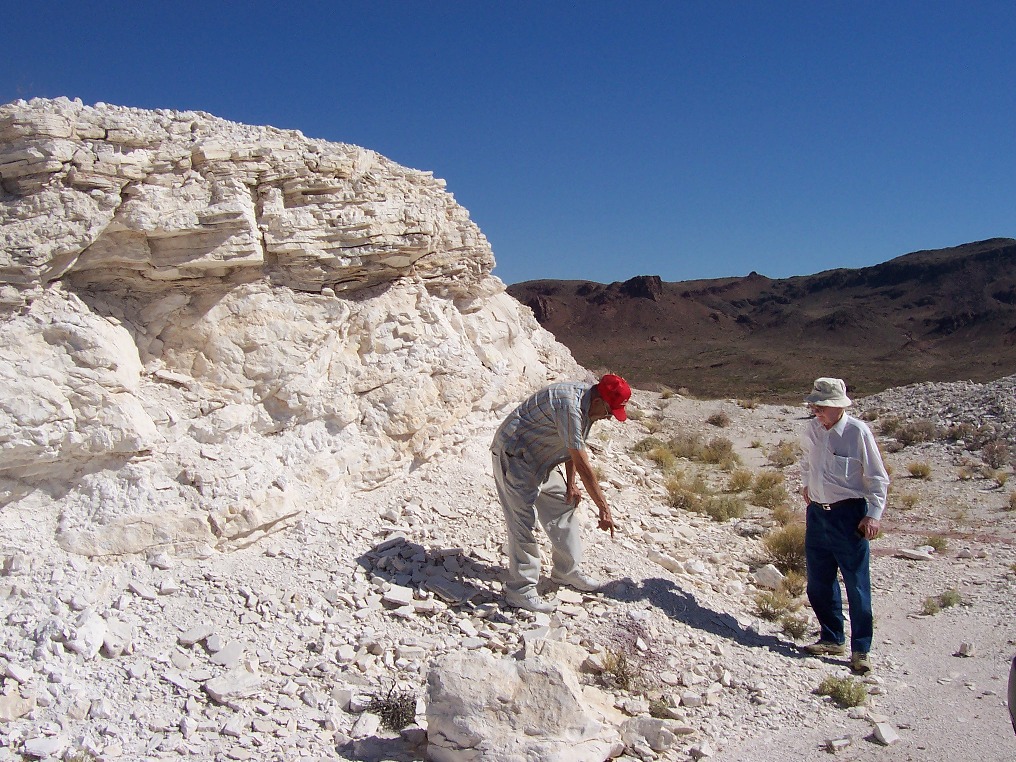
(837, 504)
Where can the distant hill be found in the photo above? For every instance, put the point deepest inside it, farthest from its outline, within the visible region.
(940, 315)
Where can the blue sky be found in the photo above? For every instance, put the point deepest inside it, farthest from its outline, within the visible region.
(594, 140)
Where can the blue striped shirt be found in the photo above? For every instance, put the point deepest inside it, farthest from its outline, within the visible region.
(538, 433)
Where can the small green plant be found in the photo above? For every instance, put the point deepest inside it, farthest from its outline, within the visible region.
(919, 470)
(950, 597)
(845, 691)
(785, 547)
(630, 662)
(740, 480)
(934, 604)
(773, 605)
(720, 420)
(396, 708)
(795, 626)
(937, 541)
(619, 671)
(769, 491)
(784, 454)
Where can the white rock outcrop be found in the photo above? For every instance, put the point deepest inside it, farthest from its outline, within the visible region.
(208, 329)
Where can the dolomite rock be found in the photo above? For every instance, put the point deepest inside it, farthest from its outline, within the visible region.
(480, 707)
(209, 329)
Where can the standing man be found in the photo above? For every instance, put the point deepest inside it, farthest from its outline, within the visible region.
(547, 430)
(845, 485)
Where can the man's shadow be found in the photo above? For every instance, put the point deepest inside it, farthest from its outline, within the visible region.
(682, 606)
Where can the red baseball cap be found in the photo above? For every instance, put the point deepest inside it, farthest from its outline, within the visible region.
(615, 391)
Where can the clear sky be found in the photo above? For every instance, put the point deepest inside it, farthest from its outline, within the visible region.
(600, 140)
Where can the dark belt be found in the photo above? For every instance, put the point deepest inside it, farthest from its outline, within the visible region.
(838, 503)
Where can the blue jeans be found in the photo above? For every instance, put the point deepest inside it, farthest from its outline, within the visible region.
(832, 544)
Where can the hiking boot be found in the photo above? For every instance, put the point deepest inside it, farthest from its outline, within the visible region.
(860, 664)
(577, 580)
(824, 648)
(529, 601)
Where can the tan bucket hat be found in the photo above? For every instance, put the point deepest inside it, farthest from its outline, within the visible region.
(829, 392)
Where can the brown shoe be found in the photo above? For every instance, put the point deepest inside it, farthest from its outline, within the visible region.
(825, 648)
(860, 664)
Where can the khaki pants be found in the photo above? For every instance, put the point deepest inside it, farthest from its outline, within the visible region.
(556, 516)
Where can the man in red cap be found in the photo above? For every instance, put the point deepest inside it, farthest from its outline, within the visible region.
(547, 431)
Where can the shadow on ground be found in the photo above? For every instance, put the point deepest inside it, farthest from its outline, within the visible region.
(682, 606)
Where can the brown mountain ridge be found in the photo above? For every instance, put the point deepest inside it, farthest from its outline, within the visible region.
(938, 315)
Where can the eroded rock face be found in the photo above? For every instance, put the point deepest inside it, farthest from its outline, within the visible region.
(208, 328)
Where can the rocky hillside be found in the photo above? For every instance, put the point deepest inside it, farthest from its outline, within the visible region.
(942, 315)
(209, 329)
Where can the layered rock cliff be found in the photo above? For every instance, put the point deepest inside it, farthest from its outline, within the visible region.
(209, 328)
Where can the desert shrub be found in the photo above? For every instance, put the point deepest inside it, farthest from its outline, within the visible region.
(784, 454)
(635, 413)
(907, 501)
(845, 691)
(930, 606)
(794, 583)
(740, 480)
(937, 541)
(396, 708)
(720, 451)
(663, 457)
(686, 445)
(756, 444)
(1000, 477)
(783, 514)
(889, 425)
(720, 420)
(915, 432)
(996, 453)
(966, 473)
(722, 507)
(785, 547)
(749, 404)
(772, 605)
(667, 393)
(686, 490)
(648, 444)
(919, 470)
(961, 432)
(769, 491)
(795, 626)
(1011, 505)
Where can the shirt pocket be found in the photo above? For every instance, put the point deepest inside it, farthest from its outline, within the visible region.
(844, 468)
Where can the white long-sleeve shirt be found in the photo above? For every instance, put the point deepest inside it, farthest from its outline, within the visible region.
(843, 463)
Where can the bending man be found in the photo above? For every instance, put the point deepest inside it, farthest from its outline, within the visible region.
(547, 431)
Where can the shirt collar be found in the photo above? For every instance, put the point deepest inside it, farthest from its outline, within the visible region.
(841, 424)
